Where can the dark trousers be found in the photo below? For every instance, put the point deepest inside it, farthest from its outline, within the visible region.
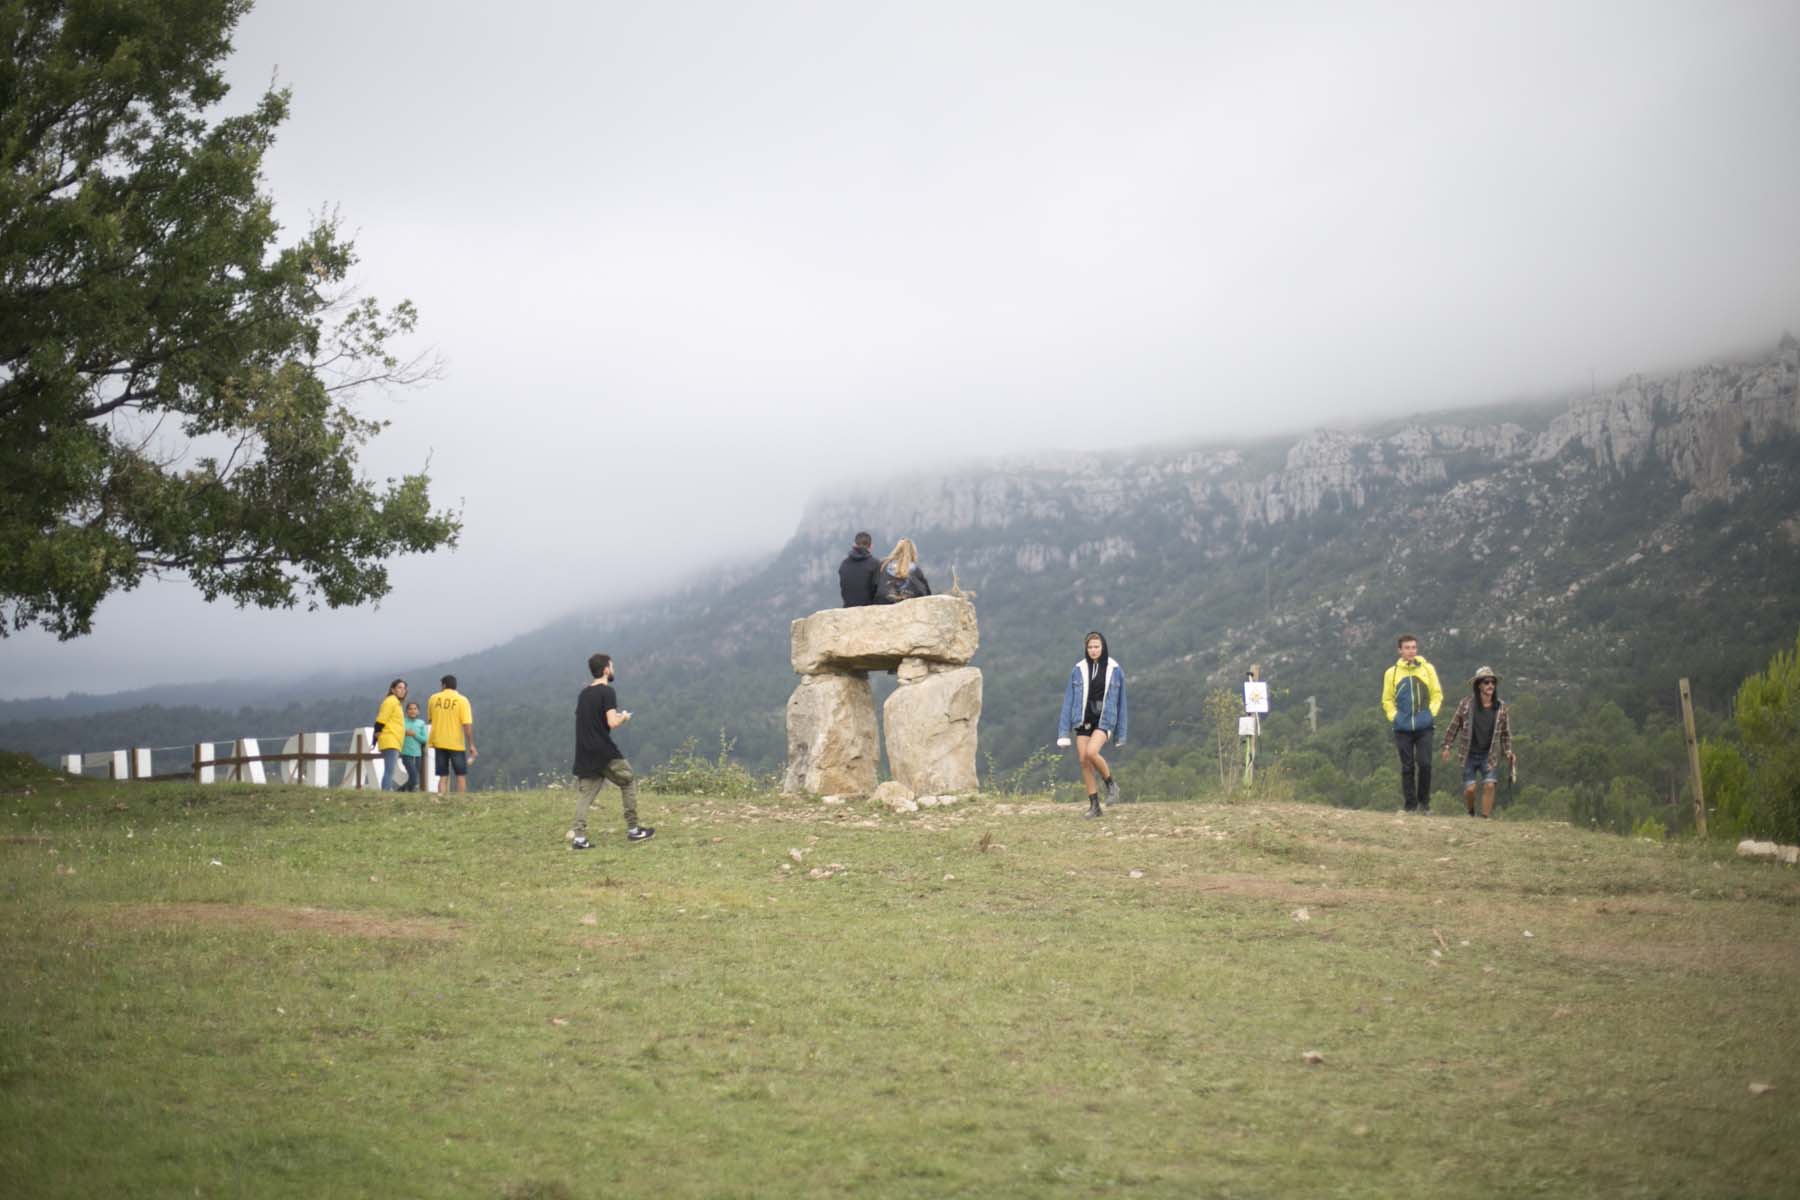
(415, 772)
(1414, 746)
(588, 790)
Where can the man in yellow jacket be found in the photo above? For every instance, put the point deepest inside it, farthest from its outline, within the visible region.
(1411, 696)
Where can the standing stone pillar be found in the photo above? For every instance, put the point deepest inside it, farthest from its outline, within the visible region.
(832, 747)
(931, 724)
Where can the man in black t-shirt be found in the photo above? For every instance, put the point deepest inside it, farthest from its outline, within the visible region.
(597, 757)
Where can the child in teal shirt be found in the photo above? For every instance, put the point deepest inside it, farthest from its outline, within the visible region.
(412, 750)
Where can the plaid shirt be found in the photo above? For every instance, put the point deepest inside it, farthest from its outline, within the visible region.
(1462, 725)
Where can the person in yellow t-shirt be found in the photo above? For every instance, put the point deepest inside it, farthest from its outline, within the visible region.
(452, 734)
(390, 731)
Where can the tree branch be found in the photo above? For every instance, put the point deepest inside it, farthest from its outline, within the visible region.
(123, 399)
(185, 564)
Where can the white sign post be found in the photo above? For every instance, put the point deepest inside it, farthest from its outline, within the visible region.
(1256, 702)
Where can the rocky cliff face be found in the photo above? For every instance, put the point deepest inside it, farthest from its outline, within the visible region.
(1699, 424)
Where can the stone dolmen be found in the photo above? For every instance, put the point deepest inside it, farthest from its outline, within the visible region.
(931, 719)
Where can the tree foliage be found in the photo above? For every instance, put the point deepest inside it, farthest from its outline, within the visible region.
(1766, 788)
(175, 389)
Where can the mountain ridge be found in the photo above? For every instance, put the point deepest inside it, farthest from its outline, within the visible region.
(1557, 535)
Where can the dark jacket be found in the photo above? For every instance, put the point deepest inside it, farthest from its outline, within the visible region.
(891, 589)
(856, 577)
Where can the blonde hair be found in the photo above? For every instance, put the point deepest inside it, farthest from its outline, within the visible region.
(904, 558)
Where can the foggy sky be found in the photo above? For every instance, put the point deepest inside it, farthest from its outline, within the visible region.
(692, 263)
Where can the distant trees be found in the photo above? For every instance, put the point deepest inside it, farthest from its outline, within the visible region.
(175, 390)
(1755, 786)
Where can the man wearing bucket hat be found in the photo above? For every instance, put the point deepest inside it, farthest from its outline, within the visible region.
(1481, 733)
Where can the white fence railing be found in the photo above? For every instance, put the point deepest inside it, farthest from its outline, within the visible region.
(304, 758)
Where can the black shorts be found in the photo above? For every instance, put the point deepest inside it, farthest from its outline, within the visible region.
(452, 762)
(1086, 728)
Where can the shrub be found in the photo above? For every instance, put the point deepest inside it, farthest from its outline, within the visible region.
(1726, 778)
(1768, 714)
(689, 773)
(1035, 776)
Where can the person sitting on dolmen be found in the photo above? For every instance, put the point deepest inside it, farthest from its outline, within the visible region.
(900, 578)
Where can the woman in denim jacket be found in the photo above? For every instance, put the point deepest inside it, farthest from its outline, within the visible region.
(1093, 710)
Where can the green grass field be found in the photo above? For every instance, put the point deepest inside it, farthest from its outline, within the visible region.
(235, 991)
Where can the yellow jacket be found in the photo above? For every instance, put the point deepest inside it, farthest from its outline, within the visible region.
(392, 719)
(1400, 694)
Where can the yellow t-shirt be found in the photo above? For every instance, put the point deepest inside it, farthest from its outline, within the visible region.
(392, 720)
(448, 712)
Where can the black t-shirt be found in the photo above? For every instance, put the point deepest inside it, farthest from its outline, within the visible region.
(1481, 729)
(594, 747)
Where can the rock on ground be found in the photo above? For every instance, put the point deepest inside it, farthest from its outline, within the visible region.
(896, 796)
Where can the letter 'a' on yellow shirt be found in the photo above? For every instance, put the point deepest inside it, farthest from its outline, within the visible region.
(392, 722)
(449, 711)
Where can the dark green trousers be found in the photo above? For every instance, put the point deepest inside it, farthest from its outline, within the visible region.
(587, 790)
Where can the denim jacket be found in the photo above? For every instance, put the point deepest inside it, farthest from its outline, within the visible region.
(1112, 708)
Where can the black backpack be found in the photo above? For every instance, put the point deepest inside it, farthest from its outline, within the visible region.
(892, 590)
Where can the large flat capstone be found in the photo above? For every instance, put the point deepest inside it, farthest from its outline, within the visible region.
(876, 637)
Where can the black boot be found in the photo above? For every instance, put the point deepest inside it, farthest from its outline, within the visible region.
(1093, 805)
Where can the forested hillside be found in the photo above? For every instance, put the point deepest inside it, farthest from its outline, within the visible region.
(1593, 551)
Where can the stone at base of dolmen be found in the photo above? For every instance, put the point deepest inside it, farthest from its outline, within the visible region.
(911, 670)
(832, 747)
(896, 796)
(931, 732)
(876, 637)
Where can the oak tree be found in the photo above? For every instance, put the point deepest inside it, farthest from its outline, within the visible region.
(178, 391)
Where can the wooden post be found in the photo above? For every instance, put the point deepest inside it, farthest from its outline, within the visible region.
(197, 778)
(357, 748)
(131, 763)
(1693, 748)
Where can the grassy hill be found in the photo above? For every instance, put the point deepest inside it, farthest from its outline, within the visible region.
(288, 992)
